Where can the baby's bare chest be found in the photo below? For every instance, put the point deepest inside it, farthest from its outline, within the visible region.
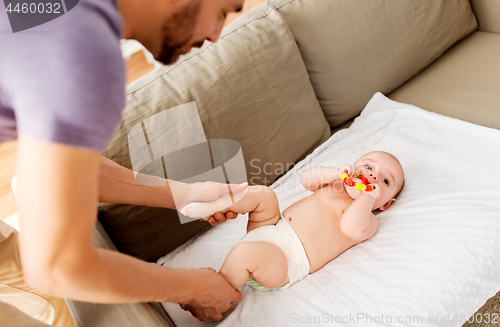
(315, 219)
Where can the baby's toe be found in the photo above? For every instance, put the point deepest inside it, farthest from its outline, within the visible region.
(189, 210)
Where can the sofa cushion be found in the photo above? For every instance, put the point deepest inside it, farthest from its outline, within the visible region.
(464, 83)
(14, 291)
(12, 316)
(87, 314)
(353, 48)
(250, 86)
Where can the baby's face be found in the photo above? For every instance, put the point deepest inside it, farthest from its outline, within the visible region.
(385, 172)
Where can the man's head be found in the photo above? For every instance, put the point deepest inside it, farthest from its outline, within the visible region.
(170, 28)
(384, 171)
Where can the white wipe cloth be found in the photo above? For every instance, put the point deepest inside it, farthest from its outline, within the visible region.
(283, 235)
(435, 257)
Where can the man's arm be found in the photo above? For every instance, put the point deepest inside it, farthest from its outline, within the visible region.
(316, 177)
(58, 193)
(117, 184)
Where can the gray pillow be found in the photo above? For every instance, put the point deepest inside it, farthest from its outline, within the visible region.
(354, 48)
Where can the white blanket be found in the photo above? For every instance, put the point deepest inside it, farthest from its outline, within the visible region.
(435, 257)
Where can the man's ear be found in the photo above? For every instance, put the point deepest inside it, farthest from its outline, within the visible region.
(388, 204)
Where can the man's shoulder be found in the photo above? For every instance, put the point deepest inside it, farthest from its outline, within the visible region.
(91, 29)
(92, 15)
(61, 77)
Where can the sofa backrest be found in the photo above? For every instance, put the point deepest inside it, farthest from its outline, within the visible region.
(250, 86)
(354, 48)
(488, 15)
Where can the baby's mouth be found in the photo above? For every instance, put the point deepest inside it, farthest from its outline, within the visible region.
(361, 179)
(357, 180)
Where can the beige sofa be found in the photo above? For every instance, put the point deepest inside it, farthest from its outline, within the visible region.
(285, 76)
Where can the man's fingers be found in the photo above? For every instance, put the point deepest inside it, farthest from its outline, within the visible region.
(220, 217)
(199, 315)
(196, 313)
(212, 221)
(210, 312)
(237, 296)
(226, 307)
(217, 317)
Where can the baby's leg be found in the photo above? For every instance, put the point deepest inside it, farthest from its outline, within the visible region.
(260, 201)
(264, 261)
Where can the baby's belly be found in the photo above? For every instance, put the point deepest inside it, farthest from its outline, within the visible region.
(318, 230)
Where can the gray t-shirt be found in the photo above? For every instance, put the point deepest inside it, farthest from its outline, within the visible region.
(63, 81)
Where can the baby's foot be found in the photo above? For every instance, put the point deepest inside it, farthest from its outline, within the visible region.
(200, 209)
(206, 209)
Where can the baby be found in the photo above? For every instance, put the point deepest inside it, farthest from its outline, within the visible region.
(281, 249)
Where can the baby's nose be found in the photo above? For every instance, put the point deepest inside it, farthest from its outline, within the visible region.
(373, 176)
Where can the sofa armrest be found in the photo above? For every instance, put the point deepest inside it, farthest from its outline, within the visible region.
(111, 315)
(487, 14)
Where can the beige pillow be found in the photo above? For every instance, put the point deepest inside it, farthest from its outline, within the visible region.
(354, 48)
(250, 86)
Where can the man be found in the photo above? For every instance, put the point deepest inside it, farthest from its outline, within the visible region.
(61, 96)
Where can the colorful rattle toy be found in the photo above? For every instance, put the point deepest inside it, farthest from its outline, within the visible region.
(358, 186)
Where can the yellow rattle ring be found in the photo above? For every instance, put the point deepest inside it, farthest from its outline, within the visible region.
(358, 186)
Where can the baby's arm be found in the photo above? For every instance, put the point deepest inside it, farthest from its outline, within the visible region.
(358, 222)
(316, 177)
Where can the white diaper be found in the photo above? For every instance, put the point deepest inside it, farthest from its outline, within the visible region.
(284, 236)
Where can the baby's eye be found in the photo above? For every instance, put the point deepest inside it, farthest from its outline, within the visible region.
(385, 181)
(368, 167)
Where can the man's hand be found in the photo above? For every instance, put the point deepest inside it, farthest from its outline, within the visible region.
(211, 191)
(219, 217)
(213, 295)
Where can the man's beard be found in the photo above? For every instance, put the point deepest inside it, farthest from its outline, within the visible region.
(178, 32)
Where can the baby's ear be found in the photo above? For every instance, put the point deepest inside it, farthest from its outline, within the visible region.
(388, 204)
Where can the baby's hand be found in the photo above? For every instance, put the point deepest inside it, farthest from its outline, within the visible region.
(375, 193)
(351, 170)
